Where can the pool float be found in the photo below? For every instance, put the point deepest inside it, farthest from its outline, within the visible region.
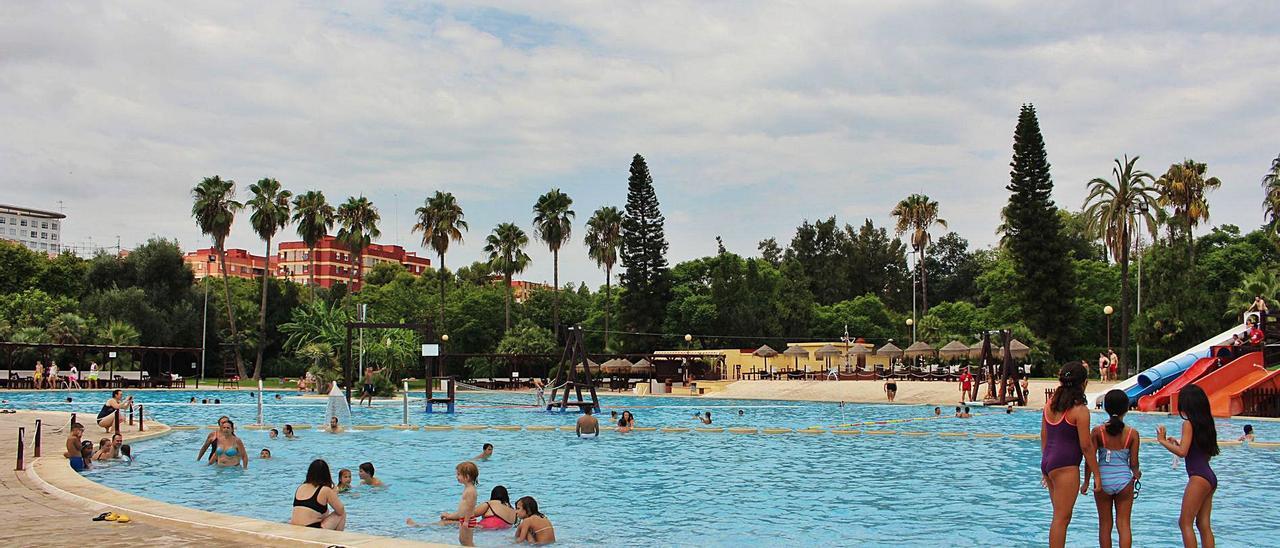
(473, 427)
(675, 429)
(953, 434)
(846, 432)
(776, 430)
(913, 433)
(507, 428)
(742, 430)
(368, 427)
(539, 428)
(1264, 444)
(880, 432)
(403, 427)
(257, 427)
(301, 426)
(811, 431)
(1024, 436)
(436, 428)
(987, 435)
(644, 429)
(709, 430)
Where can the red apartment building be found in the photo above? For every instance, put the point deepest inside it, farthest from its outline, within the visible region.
(333, 261)
(240, 263)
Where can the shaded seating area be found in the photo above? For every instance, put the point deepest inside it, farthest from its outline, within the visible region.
(155, 363)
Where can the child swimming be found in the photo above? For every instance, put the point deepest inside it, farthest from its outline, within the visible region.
(1198, 443)
(344, 480)
(1118, 468)
(1065, 440)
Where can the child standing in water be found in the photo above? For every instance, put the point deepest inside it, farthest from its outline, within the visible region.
(467, 475)
(1064, 440)
(1118, 468)
(1198, 443)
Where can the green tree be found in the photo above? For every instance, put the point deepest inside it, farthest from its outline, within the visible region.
(440, 222)
(214, 209)
(770, 252)
(1262, 282)
(877, 264)
(314, 217)
(603, 240)
(646, 282)
(955, 269)
(505, 247)
(553, 222)
(1033, 234)
(819, 251)
(1183, 189)
(359, 221)
(119, 333)
(917, 214)
(69, 328)
(1271, 200)
(1116, 211)
(21, 267)
(270, 206)
(64, 275)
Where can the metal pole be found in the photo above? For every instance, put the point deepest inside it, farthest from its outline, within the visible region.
(204, 325)
(913, 301)
(22, 434)
(141, 419)
(260, 402)
(1136, 342)
(406, 402)
(36, 449)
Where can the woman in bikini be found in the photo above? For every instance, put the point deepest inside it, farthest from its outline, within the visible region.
(312, 500)
(534, 527)
(211, 441)
(1065, 440)
(496, 513)
(230, 450)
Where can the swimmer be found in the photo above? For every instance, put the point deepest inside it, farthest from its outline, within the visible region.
(273, 434)
(627, 422)
(587, 424)
(212, 440)
(1248, 433)
(534, 527)
(68, 400)
(116, 441)
(958, 412)
(937, 411)
(1118, 465)
(366, 476)
(265, 454)
(1197, 444)
(1065, 439)
(204, 402)
(344, 480)
(1008, 410)
(333, 426)
(739, 412)
(230, 450)
(72, 453)
(104, 450)
(966, 414)
(193, 399)
(217, 401)
(288, 432)
(86, 454)
(486, 451)
(278, 397)
(706, 419)
(127, 453)
(467, 475)
(496, 513)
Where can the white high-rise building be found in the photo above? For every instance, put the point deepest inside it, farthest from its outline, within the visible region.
(37, 229)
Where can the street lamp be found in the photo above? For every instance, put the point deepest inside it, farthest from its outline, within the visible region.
(1141, 210)
(1108, 311)
(204, 321)
(912, 324)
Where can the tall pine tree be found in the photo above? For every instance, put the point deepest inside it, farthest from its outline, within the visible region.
(646, 280)
(1045, 284)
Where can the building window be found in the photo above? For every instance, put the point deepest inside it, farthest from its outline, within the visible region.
(54, 225)
(24, 222)
(54, 247)
(33, 234)
(44, 225)
(2, 220)
(44, 235)
(54, 236)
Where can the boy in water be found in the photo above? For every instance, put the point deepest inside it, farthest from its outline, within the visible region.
(366, 476)
(467, 474)
(73, 447)
(367, 393)
(485, 452)
(587, 424)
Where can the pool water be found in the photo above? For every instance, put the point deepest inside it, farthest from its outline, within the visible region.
(684, 489)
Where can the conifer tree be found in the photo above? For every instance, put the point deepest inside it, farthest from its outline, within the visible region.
(646, 279)
(1045, 284)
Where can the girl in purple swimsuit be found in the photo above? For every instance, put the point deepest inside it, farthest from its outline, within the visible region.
(1065, 439)
(1198, 443)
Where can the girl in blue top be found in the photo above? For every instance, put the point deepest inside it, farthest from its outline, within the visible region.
(1117, 468)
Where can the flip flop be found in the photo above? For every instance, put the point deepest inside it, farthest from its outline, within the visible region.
(102, 516)
(124, 518)
(112, 516)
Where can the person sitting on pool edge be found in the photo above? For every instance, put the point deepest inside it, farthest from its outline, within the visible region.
(265, 454)
(534, 527)
(312, 511)
(344, 480)
(587, 424)
(486, 451)
(366, 476)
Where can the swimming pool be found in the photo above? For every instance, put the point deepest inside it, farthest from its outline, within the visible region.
(691, 488)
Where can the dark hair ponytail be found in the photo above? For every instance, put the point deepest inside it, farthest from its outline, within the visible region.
(1070, 392)
(1116, 404)
(1193, 406)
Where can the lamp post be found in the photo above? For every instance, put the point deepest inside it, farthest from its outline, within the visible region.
(1139, 209)
(204, 321)
(1107, 310)
(912, 324)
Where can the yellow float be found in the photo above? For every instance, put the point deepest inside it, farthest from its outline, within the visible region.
(742, 430)
(436, 428)
(710, 430)
(880, 432)
(473, 427)
(368, 427)
(405, 427)
(507, 428)
(777, 430)
(539, 428)
(846, 432)
(675, 429)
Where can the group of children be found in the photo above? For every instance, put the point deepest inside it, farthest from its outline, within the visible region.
(1110, 454)
(81, 455)
(47, 376)
(532, 526)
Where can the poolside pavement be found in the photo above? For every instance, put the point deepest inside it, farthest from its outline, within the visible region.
(48, 504)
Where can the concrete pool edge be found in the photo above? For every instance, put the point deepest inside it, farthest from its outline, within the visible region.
(51, 475)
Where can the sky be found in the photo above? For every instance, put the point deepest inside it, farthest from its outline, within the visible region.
(752, 116)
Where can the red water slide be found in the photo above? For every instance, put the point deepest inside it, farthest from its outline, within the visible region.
(1160, 398)
(1225, 385)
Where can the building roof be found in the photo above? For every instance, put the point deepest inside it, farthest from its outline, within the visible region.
(5, 208)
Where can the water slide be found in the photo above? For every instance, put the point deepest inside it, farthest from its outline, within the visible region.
(1225, 385)
(1166, 371)
(1160, 398)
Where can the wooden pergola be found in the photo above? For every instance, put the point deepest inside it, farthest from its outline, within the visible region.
(165, 354)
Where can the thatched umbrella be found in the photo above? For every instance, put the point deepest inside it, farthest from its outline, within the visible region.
(766, 353)
(953, 350)
(919, 349)
(975, 350)
(861, 351)
(826, 353)
(889, 349)
(1019, 350)
(642, 367)
(796, 351)
(616, 366)
(595, 367)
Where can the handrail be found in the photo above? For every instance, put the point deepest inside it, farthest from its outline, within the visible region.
(117, 420)
(22, 431)
(36, 450)
(141, 420)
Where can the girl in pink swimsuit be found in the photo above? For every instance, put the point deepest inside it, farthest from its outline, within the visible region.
(1065, 440)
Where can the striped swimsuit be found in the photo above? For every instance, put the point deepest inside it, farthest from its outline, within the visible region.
(1113, 464)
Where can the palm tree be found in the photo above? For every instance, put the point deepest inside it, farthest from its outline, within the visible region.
(553, 221)
(440, 222)
(314, 217)
(1271, 184)
(214, 209)
(603, 240)
(1183, 188)
(1115, 211)
(359, 220)
(68, 328)
(1262, 282)
(270, 206)
(917, 213)
(505, 247)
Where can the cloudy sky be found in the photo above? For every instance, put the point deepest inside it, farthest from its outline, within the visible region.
(753, 115)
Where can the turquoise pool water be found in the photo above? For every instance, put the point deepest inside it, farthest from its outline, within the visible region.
(687, 489)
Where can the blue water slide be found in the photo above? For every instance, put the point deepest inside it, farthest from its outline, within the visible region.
(1156, 377)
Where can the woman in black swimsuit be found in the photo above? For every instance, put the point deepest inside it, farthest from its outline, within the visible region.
(891, 390)
(319, 493)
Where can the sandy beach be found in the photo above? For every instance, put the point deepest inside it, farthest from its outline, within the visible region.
(909, 392)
